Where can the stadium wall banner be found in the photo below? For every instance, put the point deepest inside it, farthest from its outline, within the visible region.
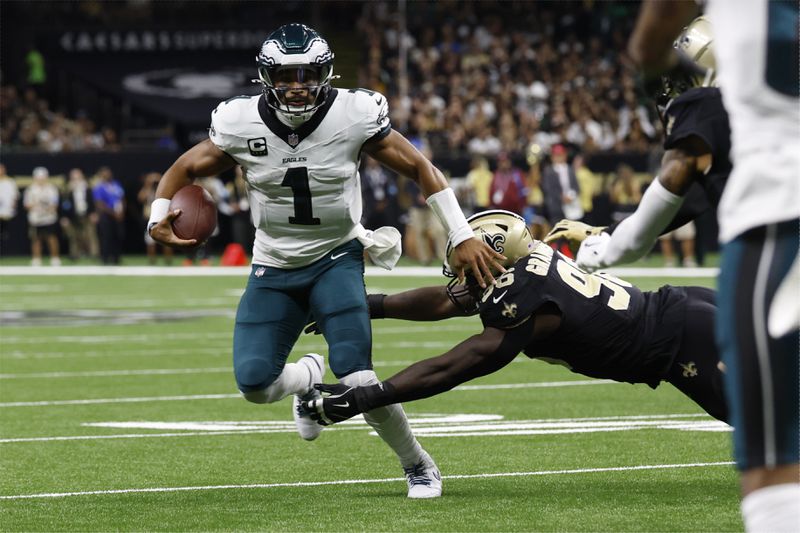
(180, 87)
(180, 75)
(89, 42)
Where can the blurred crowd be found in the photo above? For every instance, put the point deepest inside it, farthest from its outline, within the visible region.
(29, 122)
(482, 77)
(528, 93)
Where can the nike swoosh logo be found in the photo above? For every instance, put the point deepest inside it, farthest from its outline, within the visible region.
(495, 300)
(344, 405)
(337, 256)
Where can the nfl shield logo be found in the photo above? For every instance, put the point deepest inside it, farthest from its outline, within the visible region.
(260, 271)
(293, 140)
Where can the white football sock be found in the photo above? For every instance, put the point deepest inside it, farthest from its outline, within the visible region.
(773, 509)
(295, 379)
(389, 422)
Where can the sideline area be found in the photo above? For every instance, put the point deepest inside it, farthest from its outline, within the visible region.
(213, 271)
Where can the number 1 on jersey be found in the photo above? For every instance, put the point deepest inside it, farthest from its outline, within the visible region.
(297, 179)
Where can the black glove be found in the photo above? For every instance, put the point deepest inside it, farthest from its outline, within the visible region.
(337, 404)
(340, 402)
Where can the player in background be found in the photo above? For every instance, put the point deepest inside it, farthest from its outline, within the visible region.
(299, 145)
(694, 168)
(548, 308)
(756, 47)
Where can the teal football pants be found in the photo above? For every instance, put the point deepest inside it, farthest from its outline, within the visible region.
(761, 380)
(278, 303)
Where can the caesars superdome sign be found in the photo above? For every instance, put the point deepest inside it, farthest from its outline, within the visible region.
(180, 75)
(160, 41)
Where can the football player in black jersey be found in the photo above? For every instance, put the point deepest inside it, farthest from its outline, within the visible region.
(548, 308)
(694, 168)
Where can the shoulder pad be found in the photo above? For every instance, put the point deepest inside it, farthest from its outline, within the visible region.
(697, 94)
(367, 101)
(230, 114)
(699, 112)
(370, 110)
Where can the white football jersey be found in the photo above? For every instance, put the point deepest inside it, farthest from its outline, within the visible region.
(304, 186)
(753, 41)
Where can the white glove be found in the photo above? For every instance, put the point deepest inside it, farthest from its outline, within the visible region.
(592, 252)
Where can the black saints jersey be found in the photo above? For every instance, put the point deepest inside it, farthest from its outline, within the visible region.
(609, 328)
(699, 112)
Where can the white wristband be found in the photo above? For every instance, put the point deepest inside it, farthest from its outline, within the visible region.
(449, 213)
(158, 210)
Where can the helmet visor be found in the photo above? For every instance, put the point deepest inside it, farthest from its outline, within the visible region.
(292, 75)
(296, 86)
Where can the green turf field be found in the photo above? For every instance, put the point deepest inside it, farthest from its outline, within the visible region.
(118, 411)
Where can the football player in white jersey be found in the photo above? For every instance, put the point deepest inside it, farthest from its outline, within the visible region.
(756, 47)
(299, 145)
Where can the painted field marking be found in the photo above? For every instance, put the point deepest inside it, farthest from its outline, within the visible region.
(222, 350)
(110, 353)
(227, 335)
(32, 288)
(66, 301)
(362, 481)
(95, 401)
(179, 371)
(429, 424)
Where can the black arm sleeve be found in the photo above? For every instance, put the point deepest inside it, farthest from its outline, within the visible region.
(375, 305)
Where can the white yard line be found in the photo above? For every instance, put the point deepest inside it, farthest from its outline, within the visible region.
(95, 401)
(139, 271)
(179, 371)
(160, 339)
(428, 423)
(156, 435)
(224, 350)
(112, 373)
(361, 481)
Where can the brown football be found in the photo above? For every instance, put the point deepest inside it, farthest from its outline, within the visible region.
(198, 217)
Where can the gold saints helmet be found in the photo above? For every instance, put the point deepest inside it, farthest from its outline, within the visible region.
(695, 48)
(506, 233)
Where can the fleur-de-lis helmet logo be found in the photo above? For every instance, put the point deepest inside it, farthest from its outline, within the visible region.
(496, 241)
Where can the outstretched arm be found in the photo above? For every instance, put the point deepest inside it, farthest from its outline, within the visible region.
(477, 356)
(423, 304)
(420, 305)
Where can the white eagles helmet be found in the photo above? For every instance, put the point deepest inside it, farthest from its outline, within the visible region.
(506, 233)
(295, 53)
